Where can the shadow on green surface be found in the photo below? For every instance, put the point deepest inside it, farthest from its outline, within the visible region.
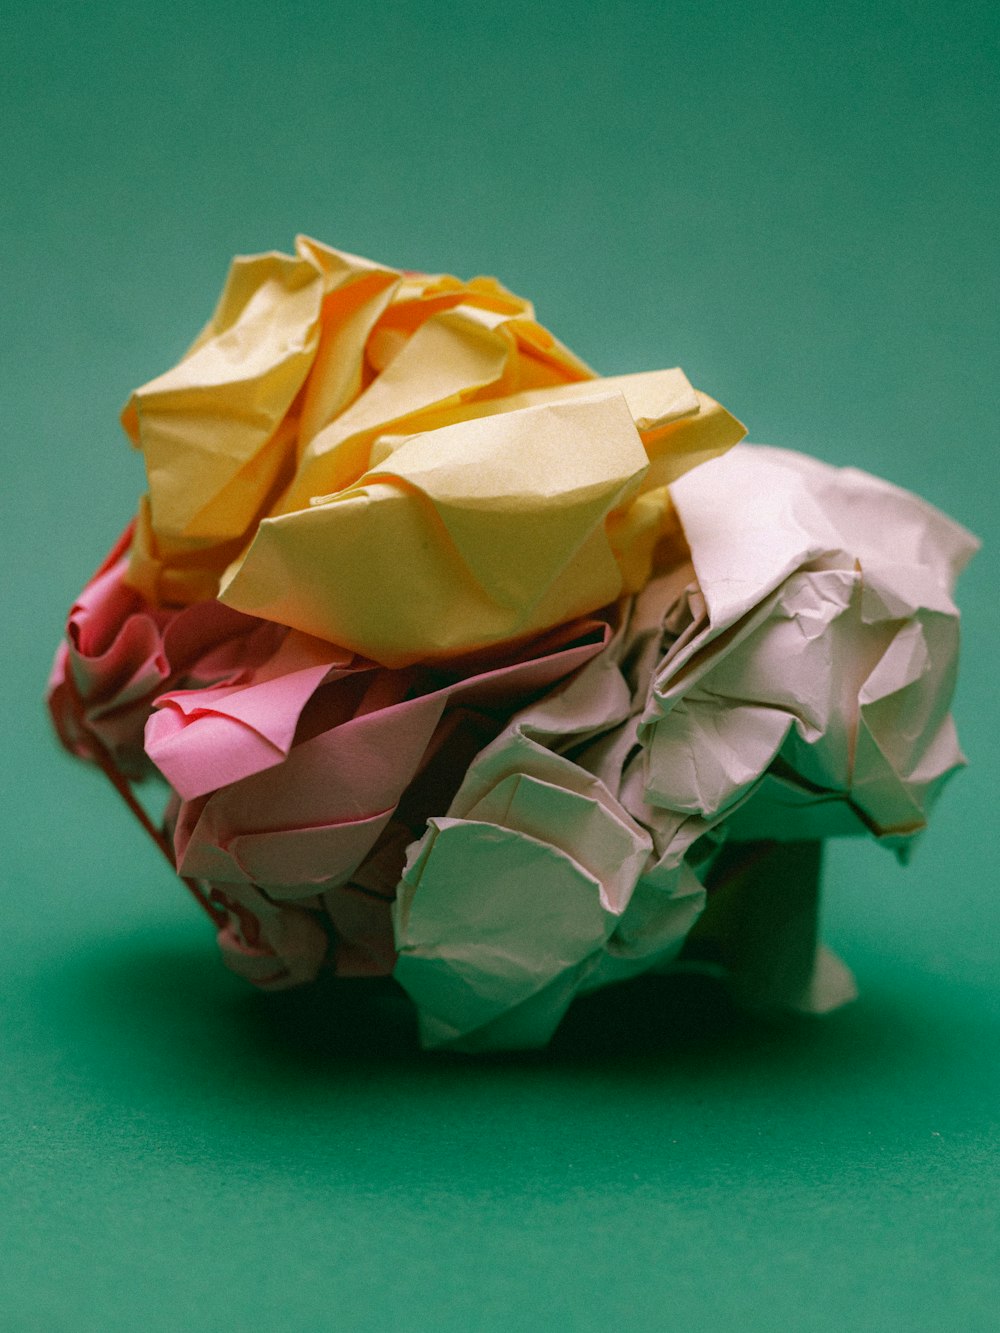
(658, 1082)
(183, 1003)
(685, 1021)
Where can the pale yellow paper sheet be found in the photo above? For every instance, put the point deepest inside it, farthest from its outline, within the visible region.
(279, 453)
(490, 528)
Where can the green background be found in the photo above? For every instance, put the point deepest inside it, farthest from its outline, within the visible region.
(798, 204)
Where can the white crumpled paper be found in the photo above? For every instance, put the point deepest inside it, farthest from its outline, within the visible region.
(789, 682)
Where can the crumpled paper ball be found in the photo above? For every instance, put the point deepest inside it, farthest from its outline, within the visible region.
(456, 662)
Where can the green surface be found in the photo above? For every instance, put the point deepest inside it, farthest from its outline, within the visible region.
(796, 203)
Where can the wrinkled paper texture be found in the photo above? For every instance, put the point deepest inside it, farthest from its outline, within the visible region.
(465, 665)
(790, 683)
(405, 465)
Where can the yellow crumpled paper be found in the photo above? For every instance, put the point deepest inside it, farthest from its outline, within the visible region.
(406, 465)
